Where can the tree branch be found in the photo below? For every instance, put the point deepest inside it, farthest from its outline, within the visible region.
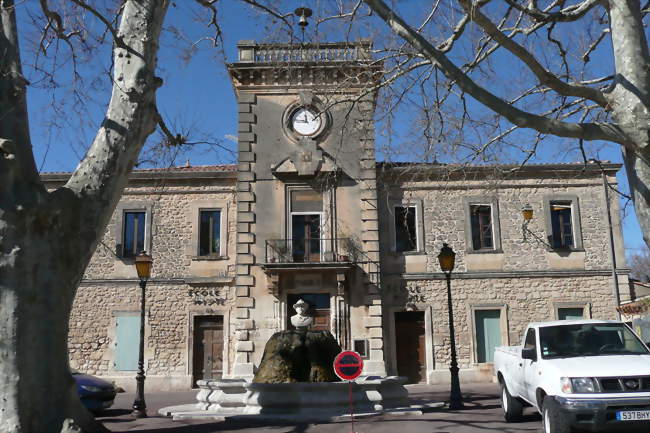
(570, 13)
(544, 76)
(587, 131)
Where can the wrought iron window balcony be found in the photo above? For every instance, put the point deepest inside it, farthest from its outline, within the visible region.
(312, 250)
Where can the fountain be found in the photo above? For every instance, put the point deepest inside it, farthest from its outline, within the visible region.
(295, 380)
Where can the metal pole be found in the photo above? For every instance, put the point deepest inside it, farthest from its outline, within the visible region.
(139, 405)
(612, 249)
(455, 396)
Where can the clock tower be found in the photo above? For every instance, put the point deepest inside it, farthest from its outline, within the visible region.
(307, 224)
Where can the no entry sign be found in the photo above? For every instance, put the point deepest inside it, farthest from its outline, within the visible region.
(348, 365)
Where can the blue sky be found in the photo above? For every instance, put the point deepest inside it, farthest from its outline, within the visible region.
(197, 96)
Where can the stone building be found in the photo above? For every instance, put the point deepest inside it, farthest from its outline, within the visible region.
(309, 213)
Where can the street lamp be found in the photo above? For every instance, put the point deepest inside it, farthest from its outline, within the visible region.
(447, 258)
(143, 263)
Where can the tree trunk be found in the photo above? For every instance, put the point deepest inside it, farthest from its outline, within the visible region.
(47, 239)
(630, 101)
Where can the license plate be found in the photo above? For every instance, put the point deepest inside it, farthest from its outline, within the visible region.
(633, 415)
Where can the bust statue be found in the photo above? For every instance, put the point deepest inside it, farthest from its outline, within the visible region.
(301, 320)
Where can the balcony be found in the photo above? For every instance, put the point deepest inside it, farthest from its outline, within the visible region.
(252, 52)
(311, 251)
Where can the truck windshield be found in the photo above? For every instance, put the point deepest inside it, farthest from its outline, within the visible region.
(590, 339)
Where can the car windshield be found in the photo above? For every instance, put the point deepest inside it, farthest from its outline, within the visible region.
(590, 339)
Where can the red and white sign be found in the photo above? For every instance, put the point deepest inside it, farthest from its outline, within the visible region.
(348, 365)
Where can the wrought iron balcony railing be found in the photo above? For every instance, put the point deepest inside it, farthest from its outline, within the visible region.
(314, 250)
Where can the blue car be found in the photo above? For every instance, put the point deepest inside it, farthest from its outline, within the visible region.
(95, 393)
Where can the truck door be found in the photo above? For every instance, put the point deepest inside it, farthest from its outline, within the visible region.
(529, 367)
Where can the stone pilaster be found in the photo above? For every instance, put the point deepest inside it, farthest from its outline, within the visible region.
(245, 260)
(373, 322)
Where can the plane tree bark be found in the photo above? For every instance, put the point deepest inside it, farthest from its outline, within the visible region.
(623, 103)
(48, 237)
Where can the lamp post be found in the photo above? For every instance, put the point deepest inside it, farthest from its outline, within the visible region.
(143, 263)
(447, 258)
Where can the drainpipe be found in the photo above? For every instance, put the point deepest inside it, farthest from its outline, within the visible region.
(617, 295)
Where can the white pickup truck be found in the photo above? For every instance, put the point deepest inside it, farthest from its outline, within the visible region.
(591, 375)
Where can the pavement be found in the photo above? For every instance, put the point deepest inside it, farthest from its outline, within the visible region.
(482, 413)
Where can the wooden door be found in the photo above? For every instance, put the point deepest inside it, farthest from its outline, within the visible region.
(306, 237)
(208, 348)
(411, 346)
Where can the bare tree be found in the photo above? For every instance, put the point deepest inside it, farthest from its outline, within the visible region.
(551, 43)
(47, 238)
(640, 265)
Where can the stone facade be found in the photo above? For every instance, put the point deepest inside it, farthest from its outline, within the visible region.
(375, 297)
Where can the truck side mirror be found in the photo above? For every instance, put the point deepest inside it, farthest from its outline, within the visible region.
(529, 353)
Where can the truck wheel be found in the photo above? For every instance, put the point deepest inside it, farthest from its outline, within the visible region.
(512, 408)
(552, 419)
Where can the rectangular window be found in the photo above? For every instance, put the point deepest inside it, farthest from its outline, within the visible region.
(481, 226)
(561, 224)
(133, 238)
(210, 233)
(405, 229)
(361, 347)
(573, 313)
(127, 340)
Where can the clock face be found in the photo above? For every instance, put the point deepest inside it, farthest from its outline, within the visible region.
(306, 121)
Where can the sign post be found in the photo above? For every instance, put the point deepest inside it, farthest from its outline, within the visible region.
(348, 366)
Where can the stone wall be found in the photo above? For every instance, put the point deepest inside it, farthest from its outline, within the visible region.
(444, 220)
(522, 300)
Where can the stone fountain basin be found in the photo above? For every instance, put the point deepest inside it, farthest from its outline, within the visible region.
(301, 399)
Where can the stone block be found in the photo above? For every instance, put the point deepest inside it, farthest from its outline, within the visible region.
(242, 335)
(369, 246)
(243, 166)
(243, 270)
(245, 324)
(374, 310)
(245, 196)
(371, 322)
(244, 313)
(244, 126)
(243, 186)
(246, 238)
(241, 358)
(243, 227)
(246, 156)
(243, 248)
(244, 370)
(245, 259)
(370, 235)
(371, 225)
(369, 174)
(244, 207)
(244, 108)
(242, 291)
(372, 300)
(247, 98)
(245, 302)
(376, 343)
(246, 217)
(375, 333)
(244, 146)
(376, 354)
(247, 117)
(368, 214)
(246, 176)
(245, 280)
(247, 136)
(244, 346)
